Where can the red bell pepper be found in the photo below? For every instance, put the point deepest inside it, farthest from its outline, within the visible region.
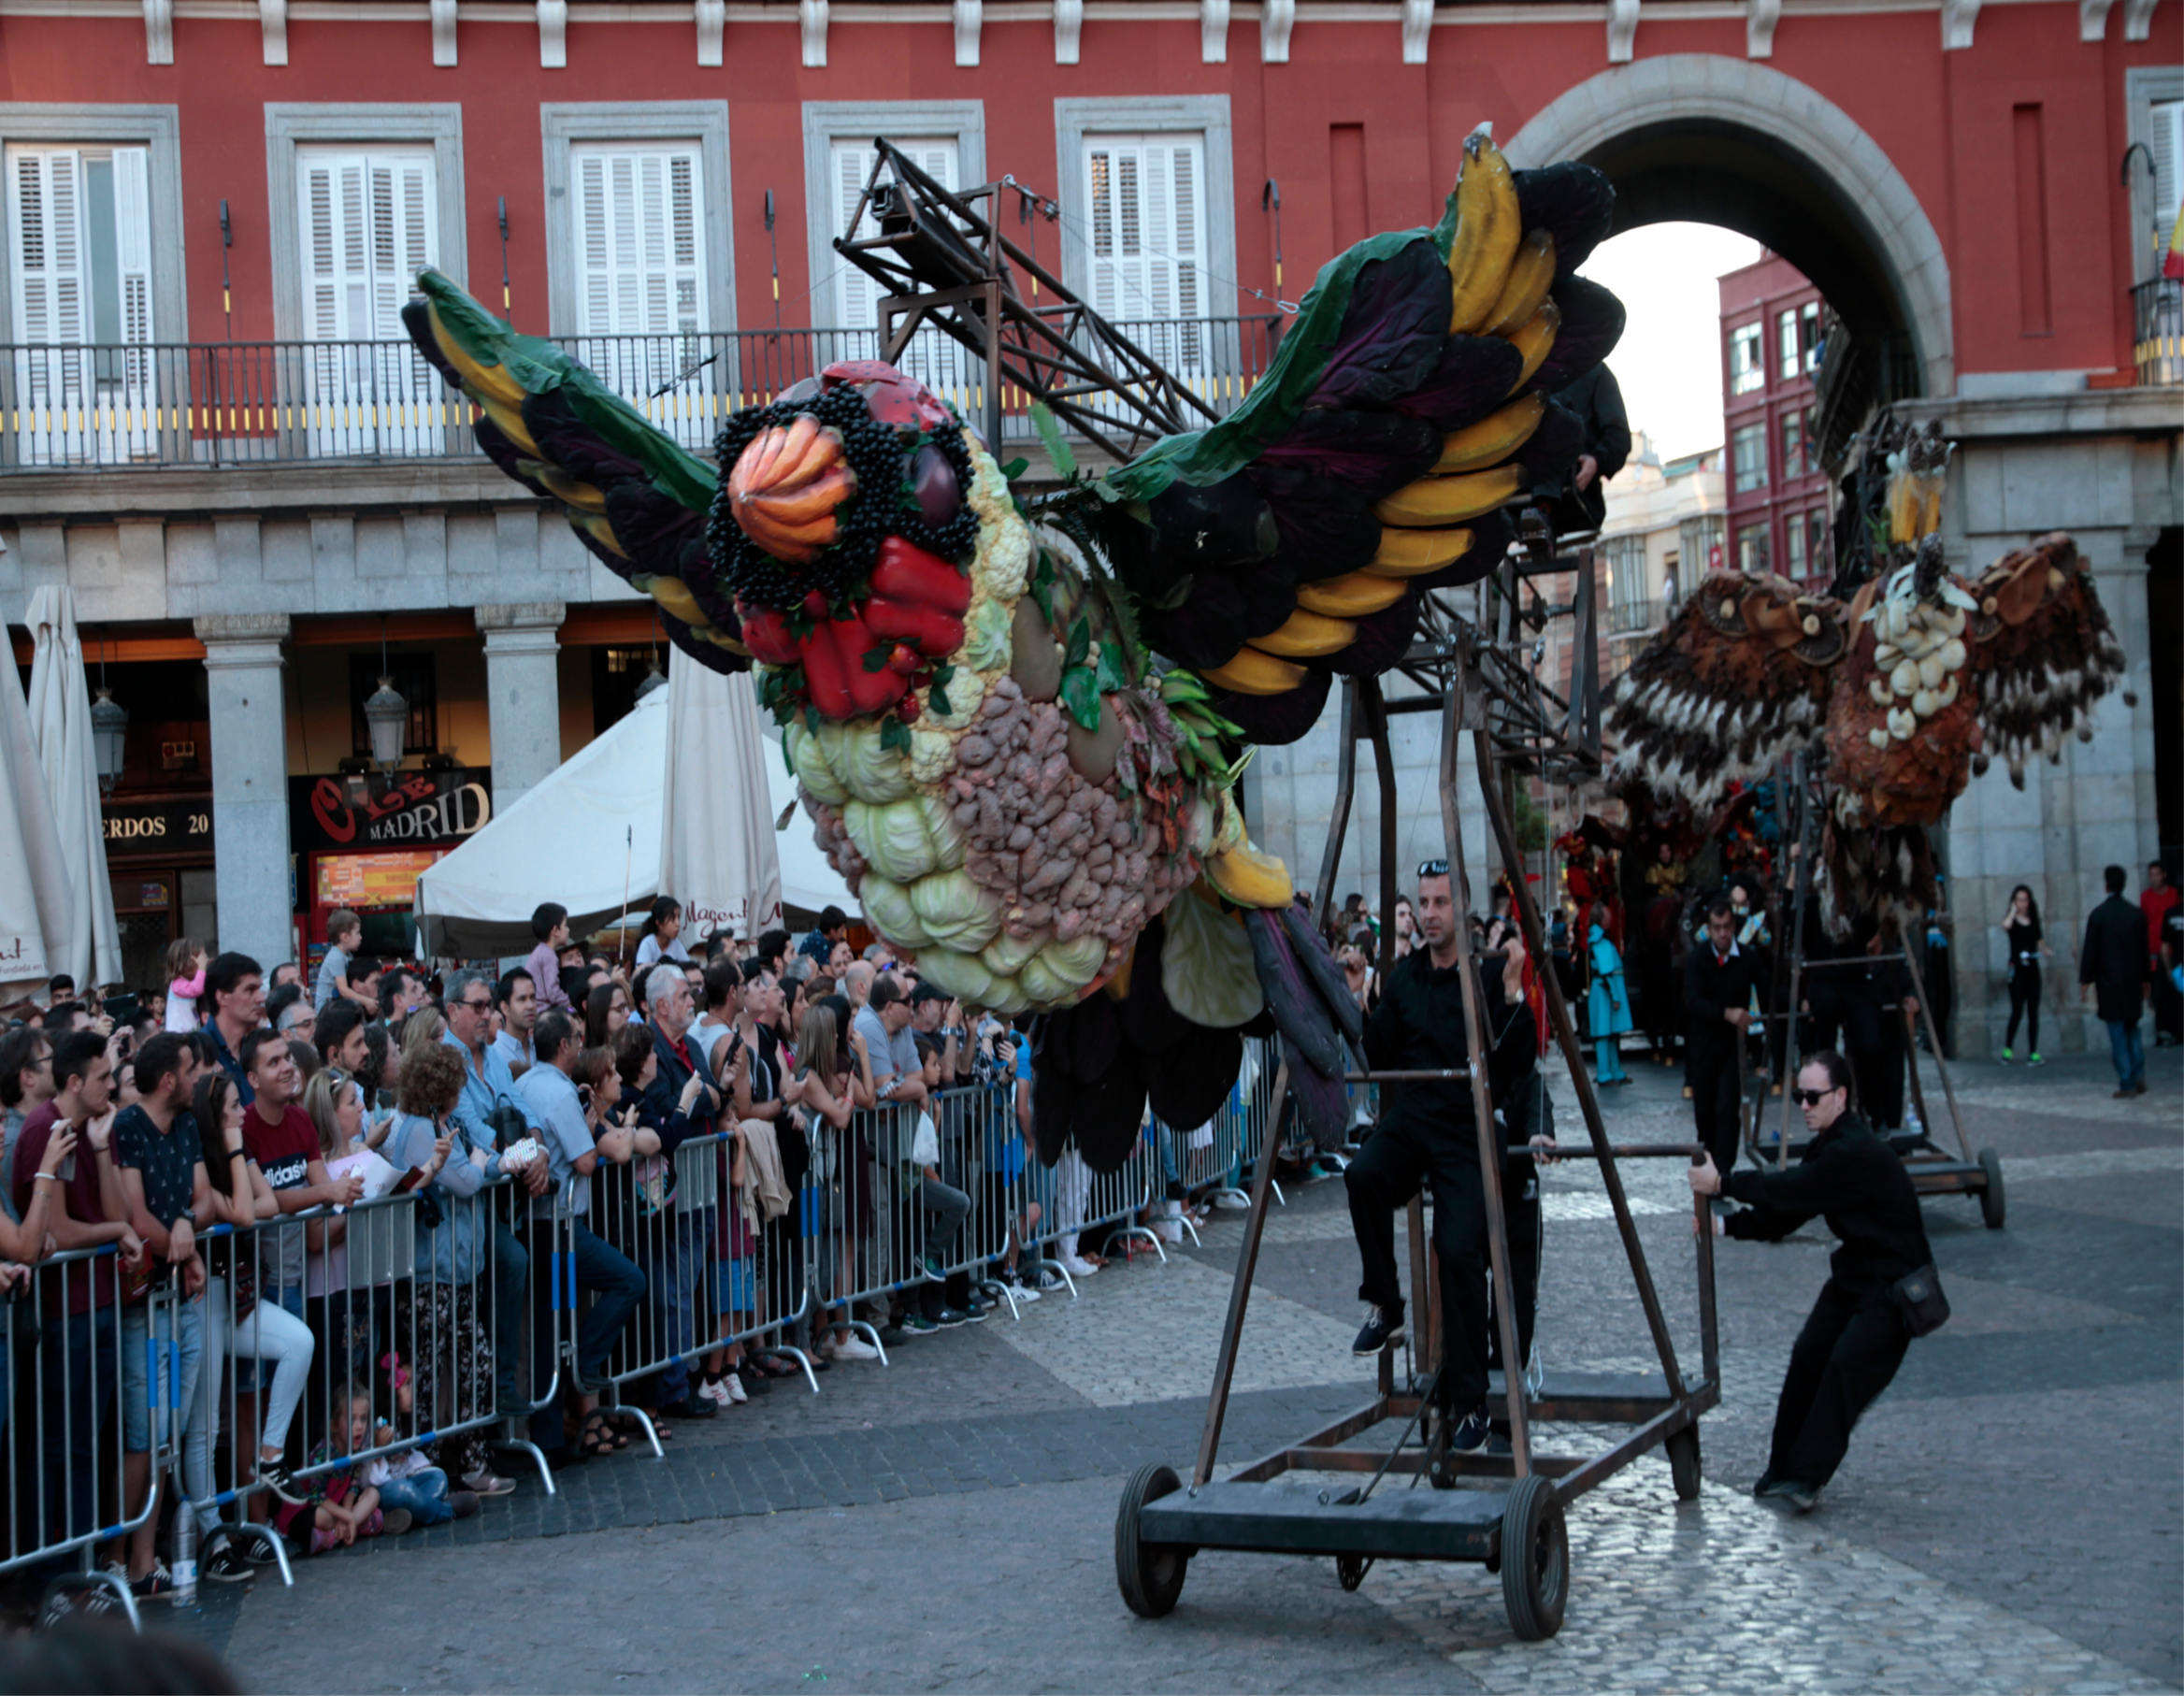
(906, 572)
(766, 635)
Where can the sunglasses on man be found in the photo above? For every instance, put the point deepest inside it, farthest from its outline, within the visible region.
(1810, 1097)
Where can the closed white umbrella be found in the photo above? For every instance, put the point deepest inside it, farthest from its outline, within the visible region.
(717, 853)
(33, 878)
(60, 725)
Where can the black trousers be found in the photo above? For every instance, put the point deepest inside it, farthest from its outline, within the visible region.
(1397, 1159)
(1716, 1088)
(1520, 1208)
(2024, 1003)
(1875, 1030)
(1851, 1346)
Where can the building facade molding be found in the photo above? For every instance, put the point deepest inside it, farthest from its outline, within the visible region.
(2093, 19)
(712, 19)
(159, 32)
(1069, 30)
(553, 34)
(1214, 32)
(273, 31)
(1416, 24)
(812, 25)
(1276, 19)
(1622, 30)
(157, 128)
(565, 124)
(293, 125)
(967, 17)
(1760, 19)
(1681, 87)
(1959, 18)
(443, 32)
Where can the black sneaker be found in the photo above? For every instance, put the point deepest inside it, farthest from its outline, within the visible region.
(1381, 1331)
(948, 1318)
(158, 1585)
(274, 1477)
(1764, 1483)
(258, 1551)
(1468, 1434)
(224, 1563)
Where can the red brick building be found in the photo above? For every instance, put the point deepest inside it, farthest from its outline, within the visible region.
(1778, 497)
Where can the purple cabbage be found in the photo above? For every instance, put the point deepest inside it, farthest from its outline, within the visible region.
(1392, 327)
(1469, 377)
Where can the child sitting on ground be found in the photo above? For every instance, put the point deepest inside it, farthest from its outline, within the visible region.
(406, 1481)
(340, 1511)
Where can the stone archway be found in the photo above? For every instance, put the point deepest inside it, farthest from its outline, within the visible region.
(1680, 114)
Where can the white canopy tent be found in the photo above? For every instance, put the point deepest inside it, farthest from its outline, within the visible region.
(60, 725)
(33, 878)
(589, 835)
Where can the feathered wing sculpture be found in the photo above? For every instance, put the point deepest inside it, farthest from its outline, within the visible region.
(1909, 689)
(1019, 736)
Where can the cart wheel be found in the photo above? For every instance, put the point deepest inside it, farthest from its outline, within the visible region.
(1683, 1463)
(1150, 1575)
(1535, 1560)
(1350, 1569)
(1990, 1198)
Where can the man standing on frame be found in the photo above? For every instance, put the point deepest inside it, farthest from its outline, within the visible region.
(1428, 1132)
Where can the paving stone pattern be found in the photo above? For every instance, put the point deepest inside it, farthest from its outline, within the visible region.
(2007, 1519)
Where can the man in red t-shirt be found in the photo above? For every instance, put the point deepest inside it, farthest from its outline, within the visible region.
(88, 1211)
(2158, 900)
(283, 1140)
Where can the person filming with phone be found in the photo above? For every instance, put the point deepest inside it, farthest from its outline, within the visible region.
(1881, 1289)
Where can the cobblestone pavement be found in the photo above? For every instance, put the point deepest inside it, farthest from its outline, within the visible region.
(2008, 1518)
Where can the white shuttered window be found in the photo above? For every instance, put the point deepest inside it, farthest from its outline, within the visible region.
(369, 222)
(930, 357)
(79, 257)
(640, 249)
(2165, 137)
(1144, 200)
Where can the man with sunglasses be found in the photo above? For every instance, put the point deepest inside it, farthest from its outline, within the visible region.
(1855, 1337)
(1426, 1133)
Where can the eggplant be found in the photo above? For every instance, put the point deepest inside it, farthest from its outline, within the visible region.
(1051, 1091)
(934, 486)
(1186, 1085)
(1085, 1040)
(1370, 453)
(1274, 721)
(1471, 377)
(1207, 628)
(1326, 528)
(1310, 950)
(1383, 637)
(1149, 1024)
(1195, 528)
(1322, 1103)
(1575, 202)
(1592, 323)
(1392, 328)
(1107, 1112)
(1296, 1003)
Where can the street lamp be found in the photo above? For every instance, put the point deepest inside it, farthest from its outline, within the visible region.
(109, 730)
(386, 714)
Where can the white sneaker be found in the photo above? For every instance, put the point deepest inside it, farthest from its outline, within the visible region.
(853, 1347)
(1078, 1267)
(715, 1392)
(1023, 1291)
(1228, 1203)
(732, 1390)
(1050, 1279)
(1168, 1230)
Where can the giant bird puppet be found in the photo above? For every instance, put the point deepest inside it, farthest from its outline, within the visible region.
(1902, 687)
(1017, 727)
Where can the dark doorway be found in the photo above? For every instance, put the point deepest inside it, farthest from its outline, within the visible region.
(2164, 632)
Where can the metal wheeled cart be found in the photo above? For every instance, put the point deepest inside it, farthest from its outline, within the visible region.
(1347, 1491)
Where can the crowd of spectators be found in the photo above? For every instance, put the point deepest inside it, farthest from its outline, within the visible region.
(228, 1136)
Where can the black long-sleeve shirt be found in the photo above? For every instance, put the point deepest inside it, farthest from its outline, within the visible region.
(1711, 987)
(1418, 1026)
(1853, 1179)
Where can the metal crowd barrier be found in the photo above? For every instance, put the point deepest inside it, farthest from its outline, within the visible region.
(65, 1440)
(718, 1272)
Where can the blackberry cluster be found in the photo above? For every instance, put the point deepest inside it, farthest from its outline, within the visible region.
(957, 540)
(840, 573)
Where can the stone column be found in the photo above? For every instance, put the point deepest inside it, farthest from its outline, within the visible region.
(250, 784)
(523, 693)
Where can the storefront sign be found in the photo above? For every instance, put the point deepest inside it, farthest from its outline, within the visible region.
(183, 827)
(419, 809)
(363, 880)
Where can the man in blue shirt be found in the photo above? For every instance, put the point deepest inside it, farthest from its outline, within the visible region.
(549, 1094)
(236, 984)
(818, 943)
(487, 1089)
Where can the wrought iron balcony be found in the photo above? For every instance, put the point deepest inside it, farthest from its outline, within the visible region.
(181, 404)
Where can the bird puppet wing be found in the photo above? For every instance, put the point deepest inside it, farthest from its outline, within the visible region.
(1410, 402)
(1737, 682)
(633, 498)
(2043, 651)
